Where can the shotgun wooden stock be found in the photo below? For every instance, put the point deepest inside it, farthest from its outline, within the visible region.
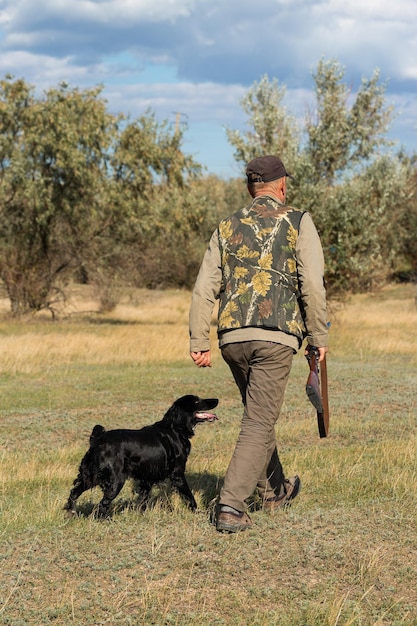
(318, 397)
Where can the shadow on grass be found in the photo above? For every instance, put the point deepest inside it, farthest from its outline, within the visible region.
(206, 485)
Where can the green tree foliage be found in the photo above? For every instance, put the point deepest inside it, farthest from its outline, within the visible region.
(343, 136)
(359, 222)
(356, 191)
(103, 199)
(407, 224)
(152, 178)
(271, 129)
(53, 192)
(84, 193)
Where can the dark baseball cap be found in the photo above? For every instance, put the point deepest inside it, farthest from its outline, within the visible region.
(266, 168)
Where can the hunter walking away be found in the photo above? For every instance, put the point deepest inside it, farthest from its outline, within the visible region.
(265, 265)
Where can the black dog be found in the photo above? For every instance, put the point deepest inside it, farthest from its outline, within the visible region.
(149, 455)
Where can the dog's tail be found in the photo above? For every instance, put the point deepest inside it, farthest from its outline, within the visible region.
(97, 435)
(87, 474)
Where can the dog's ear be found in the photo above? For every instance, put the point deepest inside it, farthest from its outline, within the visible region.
(173, 415)
(181, 414)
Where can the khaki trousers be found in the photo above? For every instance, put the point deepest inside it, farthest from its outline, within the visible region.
(261, 370)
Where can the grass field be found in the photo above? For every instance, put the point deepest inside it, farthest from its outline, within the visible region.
(344, 554)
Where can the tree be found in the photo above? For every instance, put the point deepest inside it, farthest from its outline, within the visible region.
(345, 136)
(271, 129)
(406, 223)
(53, 166)
(89, 195)
(356, 187)
(355, 191)
(360, 227)
(152, 178)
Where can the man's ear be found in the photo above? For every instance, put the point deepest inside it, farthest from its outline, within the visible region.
(282, 187)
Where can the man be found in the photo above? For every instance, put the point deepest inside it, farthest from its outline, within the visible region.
(265, 265)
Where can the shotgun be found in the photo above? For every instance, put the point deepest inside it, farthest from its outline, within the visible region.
(318, 398)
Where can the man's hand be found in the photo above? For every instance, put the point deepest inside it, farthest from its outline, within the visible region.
(322, 352)
(201, 359)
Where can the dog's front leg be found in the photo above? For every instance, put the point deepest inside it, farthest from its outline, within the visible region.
(143, 490)
(180, 484)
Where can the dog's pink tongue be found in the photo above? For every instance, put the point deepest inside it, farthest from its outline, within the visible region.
(210, 417)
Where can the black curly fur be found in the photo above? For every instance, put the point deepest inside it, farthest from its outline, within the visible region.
(149, 455)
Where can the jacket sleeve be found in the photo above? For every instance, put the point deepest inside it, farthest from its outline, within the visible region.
(310, 264)
(206, 291)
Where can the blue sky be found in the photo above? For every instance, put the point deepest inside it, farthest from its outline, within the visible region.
(197, 58)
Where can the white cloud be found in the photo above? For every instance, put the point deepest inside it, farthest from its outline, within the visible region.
(213, 49)
(17, 12)
(234, 41)
(196, 102)
(42, 71)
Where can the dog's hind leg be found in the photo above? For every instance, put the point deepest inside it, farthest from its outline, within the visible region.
(79, 487)
(86, 479)
(110, 491)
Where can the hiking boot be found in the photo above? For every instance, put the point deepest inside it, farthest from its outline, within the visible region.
(232, 522)
(292, 488)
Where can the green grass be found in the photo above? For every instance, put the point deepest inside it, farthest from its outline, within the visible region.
(344, 554)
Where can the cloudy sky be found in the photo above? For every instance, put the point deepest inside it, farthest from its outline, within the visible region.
(193, 60)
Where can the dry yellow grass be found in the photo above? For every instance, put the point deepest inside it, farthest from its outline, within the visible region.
(153, 326)
(383, 323)
(30, 352)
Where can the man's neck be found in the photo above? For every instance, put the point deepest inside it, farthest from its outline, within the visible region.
(271, 193)
(276, 189)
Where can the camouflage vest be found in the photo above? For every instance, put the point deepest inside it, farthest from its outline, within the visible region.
(260, 286)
